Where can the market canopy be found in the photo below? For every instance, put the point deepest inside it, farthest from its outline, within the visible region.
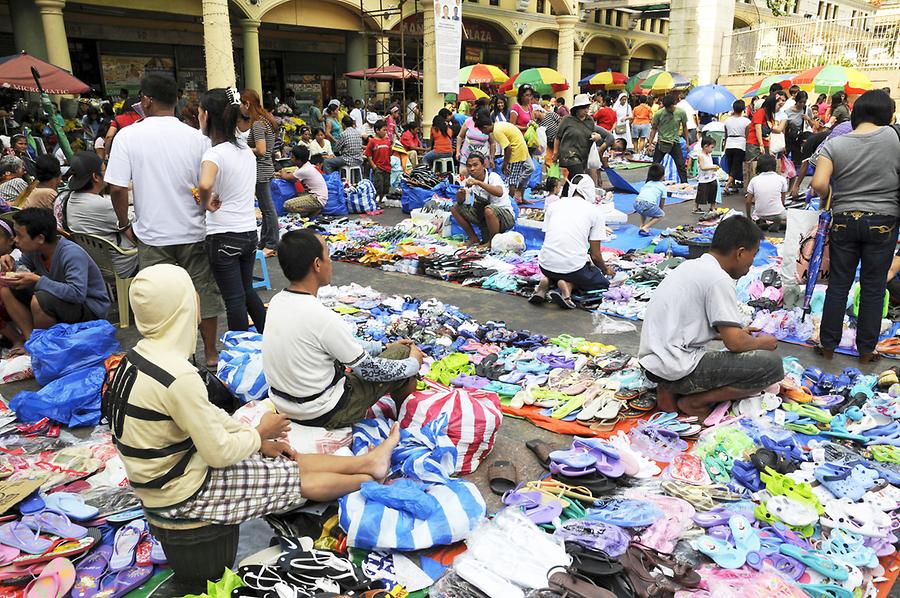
(476, 74)
(15, 73)
(762, 86)
(385, 73)
(543, 80)
(606, 79)
(470, 94)
(833, 78)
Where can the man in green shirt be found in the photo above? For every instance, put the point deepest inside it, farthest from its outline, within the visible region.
(671, 124)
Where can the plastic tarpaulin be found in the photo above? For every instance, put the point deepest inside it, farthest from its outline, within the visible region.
(66, 348)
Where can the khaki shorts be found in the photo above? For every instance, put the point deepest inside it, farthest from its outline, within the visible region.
(193, 258)
(305, 203)
(361, 394)
(475, 214)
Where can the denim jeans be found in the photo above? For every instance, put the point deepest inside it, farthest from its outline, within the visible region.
(675, 152)
(269, 231)
(431, 156)
(231, 258)
(868, 240)
(332, 164)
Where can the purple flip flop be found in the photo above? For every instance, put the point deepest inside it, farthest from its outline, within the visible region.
(18, 535)
(54, 523)
(118, 584)
(90, 570)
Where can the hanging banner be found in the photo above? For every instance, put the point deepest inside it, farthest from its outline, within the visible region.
(447, 43)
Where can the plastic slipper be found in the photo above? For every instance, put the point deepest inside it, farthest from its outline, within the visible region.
(18, 535)
(745, 536)
(60, 548)
(791, 512)
(54, 523)
(125, 516)
(851, 481)
(90, 570)
(860, 518)
(815, 560)
(33, 503)
(55, 581)
(72, 505)
(119, 584)
(722, 553)
(541, 451)
(605, 456)
(625, 512)
(502, 476)
(8, 554)
(596, 535)
(125, 543)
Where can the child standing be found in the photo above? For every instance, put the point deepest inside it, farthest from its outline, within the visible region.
(706, 180)
(651, 199)
(378, 151)
(766, 193)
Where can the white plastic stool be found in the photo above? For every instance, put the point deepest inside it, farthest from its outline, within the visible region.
(352, 174)
(443, 165)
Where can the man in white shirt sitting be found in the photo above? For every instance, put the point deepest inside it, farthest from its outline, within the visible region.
(484, 200)
(695, 304)
(307, 347)
(570, 257)
(315, 190)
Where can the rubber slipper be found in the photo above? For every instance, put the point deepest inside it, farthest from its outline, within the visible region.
(55, 581)
(60, 548)
(625, 512)
(816, 561)
(606, 458)
(722, 553)
(119, 584)
(597, 483)
(541, 451)
(825, 590)
(125, 543)
(54, 523)
(33, 503)
(157, 554)
(90, 570)
(858, 518)
(503, 477)
(572, 472)
(125, 516)
(596, 535)
(791, 512)
(592, 563)
(18, 535)
(567, 583)
(781, 563)
(72, 505)
(745, 536)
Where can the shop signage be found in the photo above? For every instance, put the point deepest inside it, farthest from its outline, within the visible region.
(447, 43)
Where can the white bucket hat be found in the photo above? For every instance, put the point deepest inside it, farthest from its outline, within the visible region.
(581, 99)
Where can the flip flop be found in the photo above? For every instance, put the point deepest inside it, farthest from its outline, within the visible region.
(32, 503)
(8, 554)
(503, 477)
(157, 554)
(119, 584)
(90, 570)
(55, 580)
(71, 505)
(541, 450)
(54, 523)
(60, 548)
(18, 535)
(125, 543)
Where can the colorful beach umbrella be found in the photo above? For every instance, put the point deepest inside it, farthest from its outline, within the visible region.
(762, 86)
(544, 80)
(476, 74)
(712, 99)
(656, 80)
(470, 94)
(606, 80)
(831, 78)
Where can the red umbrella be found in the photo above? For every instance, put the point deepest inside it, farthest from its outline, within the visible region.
(385, 73)
(15, 73)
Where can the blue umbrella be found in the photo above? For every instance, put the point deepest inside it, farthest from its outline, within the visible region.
(712, 99)
(815, 260)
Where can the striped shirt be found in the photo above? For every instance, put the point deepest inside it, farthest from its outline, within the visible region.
(265, 167)
(551, 123)
(350, 147)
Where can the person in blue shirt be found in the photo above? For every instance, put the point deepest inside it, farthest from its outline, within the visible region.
(651, 199)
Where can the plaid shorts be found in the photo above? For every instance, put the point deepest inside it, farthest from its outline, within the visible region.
(519, 173)
(255, 487)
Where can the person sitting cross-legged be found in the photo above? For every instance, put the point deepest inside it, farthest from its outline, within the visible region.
(307, 346)
(695, 304)
(63, 283)
(484, 201)
(315, 190)
(570, 257)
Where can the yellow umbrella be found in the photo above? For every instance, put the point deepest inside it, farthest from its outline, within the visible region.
(470, 94)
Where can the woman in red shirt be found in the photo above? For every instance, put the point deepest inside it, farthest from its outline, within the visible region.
(441, 138)
(763, 124)
(605, 117)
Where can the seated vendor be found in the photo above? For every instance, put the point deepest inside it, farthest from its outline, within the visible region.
(484, 201)
(695, 304)
(63, 283)
(570, 257)
(304, 358)
(315, 195)
(188, 460)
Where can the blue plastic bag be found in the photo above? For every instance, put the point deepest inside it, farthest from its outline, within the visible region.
(65, 348)
(73, 400)
(240, 366)
(281, 192)
(413, 198)
(337, 197)
(446, 189)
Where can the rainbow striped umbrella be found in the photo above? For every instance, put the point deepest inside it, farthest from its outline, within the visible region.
(475, 74)
(762, 86)
(470, 94)
(656, 80)
(831, 78)
(606, 80)
(544, 81)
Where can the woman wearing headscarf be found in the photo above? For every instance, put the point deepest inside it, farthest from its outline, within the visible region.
(624, 116)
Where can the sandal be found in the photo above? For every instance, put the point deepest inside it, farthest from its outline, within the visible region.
(541, 451)
(503, 477)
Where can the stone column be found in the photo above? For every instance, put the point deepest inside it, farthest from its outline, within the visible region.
(382, 59)
(515, 55)
(625, 65)
(357, 60)
(28, 32)
(217, 44)
(697, 30)
(432, 101)
(565, 60)
(576, 69)
(55, 32)
(252, 64)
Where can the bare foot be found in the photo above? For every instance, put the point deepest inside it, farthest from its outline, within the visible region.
(688, 406)
(380, 457)
(666, 400)
(472, 242)
(869, 357)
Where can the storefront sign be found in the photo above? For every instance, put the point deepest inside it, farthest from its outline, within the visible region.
(447, 43)
(474, 55)
(127, 71)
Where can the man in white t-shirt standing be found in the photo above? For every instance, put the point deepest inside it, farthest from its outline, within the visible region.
(161, 157)
(693, 121)
(570, 257)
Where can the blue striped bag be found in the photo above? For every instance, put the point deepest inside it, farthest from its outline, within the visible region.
(362, 198)
(240, 366)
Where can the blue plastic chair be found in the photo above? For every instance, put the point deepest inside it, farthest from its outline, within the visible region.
(262, 282)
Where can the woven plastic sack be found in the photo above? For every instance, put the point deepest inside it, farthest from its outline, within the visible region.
(361, 199)
(73, 400)
(337, 197)
(412, 198)
(474, 417)
(241, 367)
(281, 192)
(66, 348)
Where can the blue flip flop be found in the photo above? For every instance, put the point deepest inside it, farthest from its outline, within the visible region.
(625, 512)
(817, 561)
(722, 553)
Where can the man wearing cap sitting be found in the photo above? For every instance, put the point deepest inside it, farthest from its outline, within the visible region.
(571, 256)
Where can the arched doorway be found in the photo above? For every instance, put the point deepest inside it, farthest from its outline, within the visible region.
(647, 56)
(539, 49)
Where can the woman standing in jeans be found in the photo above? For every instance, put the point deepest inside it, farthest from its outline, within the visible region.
(226, 188)
(863, 169)
(262, 141)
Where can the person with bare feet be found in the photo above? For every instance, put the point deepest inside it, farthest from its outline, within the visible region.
(484, 201)
(189, 461)
(307, 348)
(695, 304)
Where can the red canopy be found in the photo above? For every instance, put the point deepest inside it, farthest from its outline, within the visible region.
(15, 73)
(385, 73)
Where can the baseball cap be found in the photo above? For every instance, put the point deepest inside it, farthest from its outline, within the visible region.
(82, 167)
